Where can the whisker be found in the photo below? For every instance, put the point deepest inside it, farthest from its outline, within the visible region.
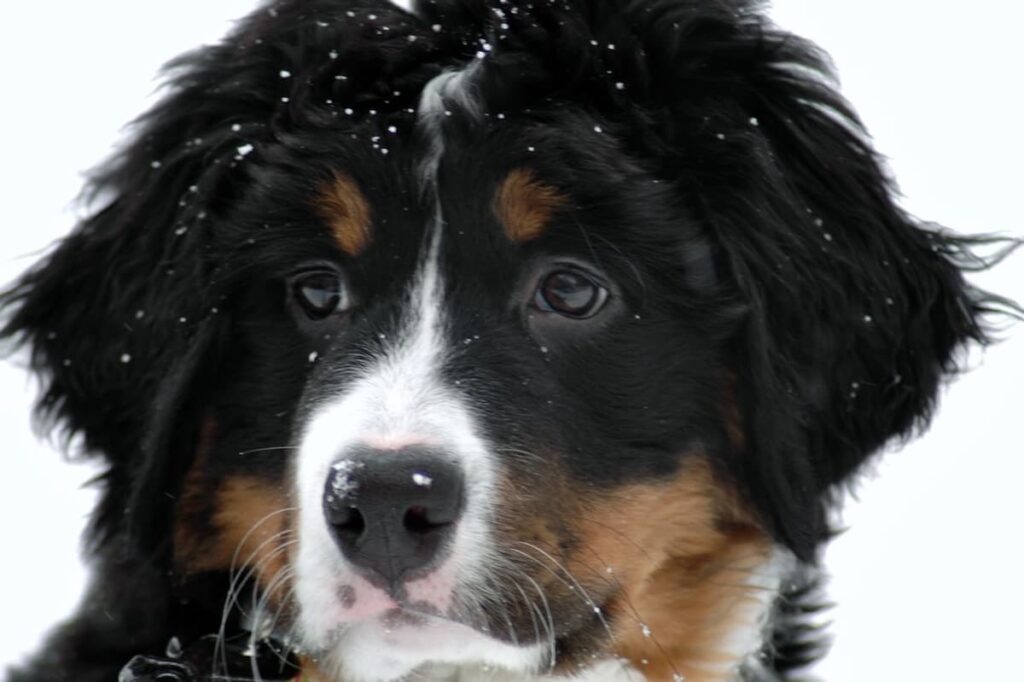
(640, 548)
(252, 529)
(549, 622)
(262, 629)
(235, 589)
(240, 575)
(255, 569)
(268, 449)
(531, 607)
(525, 454)
(237, 581)
(616, 584)
(584, 594)
(267, 595)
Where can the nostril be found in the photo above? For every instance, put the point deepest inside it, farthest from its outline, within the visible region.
(417, 520)
(347, 520)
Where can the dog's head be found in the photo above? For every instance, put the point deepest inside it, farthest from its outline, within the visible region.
(514, 335)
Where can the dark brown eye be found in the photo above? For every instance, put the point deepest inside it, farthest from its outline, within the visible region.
(570, 293)
(320, 294)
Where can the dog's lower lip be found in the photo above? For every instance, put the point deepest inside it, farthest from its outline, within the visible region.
(402, 617)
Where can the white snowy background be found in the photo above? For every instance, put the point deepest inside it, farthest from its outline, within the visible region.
(929, 580)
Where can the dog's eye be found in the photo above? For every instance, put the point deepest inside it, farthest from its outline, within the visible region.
(570, 293)
(320, 294)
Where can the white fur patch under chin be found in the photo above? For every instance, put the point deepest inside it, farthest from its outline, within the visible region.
(603, 671)
(401, 397)
(442, 651)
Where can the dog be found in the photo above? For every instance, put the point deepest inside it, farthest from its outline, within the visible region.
(497, 340)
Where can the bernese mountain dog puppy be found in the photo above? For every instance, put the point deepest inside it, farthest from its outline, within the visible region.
(498, 340)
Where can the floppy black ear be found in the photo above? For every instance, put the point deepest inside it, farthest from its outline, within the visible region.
(855, 311)
(110, 315)
(114, 313)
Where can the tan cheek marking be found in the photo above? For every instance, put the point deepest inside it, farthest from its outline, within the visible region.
(524, 205)
(343, 206)
(247, 524)
(531, 526)
(192, 509)
(683, 556)
(252, 517)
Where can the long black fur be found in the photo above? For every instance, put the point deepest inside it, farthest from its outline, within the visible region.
(849, 313)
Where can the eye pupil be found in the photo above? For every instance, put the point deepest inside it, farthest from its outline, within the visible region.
(570, 293)
(319, 294)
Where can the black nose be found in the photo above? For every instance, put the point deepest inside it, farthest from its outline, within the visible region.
(392, 512)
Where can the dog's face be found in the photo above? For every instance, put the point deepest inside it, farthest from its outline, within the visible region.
(541, 355)
(473, 402)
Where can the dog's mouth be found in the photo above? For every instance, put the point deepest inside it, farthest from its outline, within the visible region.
(410, 628)
(406, 642)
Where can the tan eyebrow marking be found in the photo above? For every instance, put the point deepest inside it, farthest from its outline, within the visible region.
(344, 207)
(524, 205)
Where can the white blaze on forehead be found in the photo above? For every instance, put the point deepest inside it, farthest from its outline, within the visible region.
(399, 398)
(453, 87)
(450, 91)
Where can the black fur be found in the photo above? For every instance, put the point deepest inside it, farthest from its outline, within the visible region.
(771, 230)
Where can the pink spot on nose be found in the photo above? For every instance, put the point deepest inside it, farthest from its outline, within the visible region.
(347, 596)
(358, 600)
(435, 589)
